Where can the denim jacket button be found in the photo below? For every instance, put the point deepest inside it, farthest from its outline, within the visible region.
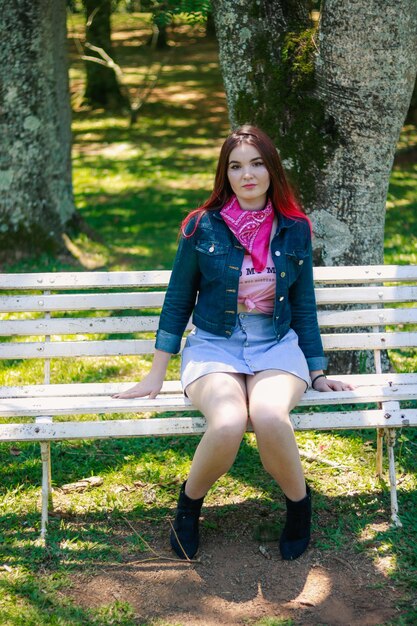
(282, 274)
(211, 249)
(281, 298)
(277, 253)
(300, 262)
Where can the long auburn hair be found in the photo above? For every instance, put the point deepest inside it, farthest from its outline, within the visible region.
(280, 192)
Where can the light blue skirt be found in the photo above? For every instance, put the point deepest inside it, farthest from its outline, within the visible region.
(252, 347)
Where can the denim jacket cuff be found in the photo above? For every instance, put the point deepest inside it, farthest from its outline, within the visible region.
(317, 363)
(167, 342)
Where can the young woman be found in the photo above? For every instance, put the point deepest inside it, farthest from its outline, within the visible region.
(244, 269)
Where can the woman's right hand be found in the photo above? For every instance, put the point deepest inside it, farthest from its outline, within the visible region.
(150, 386)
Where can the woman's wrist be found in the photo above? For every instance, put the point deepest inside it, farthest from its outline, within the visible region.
(315, 376)
(160, 363)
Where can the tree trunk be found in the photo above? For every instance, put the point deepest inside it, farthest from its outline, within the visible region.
(267, 52)
(102, 89)
(334, 99)
(210, 25)
(36, 200)
(162, 38)
(366, 70)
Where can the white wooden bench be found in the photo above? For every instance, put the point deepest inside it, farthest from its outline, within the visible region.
(49, 316)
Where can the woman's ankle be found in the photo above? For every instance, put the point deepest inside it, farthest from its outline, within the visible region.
(194, 493)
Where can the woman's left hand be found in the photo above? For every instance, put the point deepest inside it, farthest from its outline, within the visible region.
(328, 384)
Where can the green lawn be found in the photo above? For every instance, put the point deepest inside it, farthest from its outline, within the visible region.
(133, 186)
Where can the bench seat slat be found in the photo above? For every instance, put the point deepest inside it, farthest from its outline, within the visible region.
(174, 386)
(67, 405)
(196, 425)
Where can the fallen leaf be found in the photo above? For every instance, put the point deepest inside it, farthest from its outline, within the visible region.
(265, 552)
(6, 567)
(84, 484)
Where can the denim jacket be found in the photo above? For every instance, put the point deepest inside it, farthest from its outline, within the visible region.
(207, 267)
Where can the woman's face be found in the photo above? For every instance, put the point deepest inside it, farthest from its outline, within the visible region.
(248, 176)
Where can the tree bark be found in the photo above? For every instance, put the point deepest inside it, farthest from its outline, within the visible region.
(366, 69)
(267, 52)
(102, 89)
(334, 99)
(36, 200)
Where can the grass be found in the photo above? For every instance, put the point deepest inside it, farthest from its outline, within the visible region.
(133, 186)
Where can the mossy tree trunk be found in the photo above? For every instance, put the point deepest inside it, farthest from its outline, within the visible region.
(102, 88)
(36, 200)
(334, 98)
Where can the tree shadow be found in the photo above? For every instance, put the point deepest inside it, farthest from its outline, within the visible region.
(106, 557)
(349, 574)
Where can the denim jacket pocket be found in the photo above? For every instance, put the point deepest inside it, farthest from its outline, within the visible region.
(295, 262)
(212, 257)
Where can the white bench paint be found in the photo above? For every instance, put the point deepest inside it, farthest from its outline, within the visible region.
(37, 335)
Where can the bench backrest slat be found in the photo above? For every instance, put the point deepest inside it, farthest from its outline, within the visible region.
(364, 274)
(154, 299)
(84, 280)
(45, 315)
(81, 325)
(71, 349)
(114, 347)
(366, 295)
(82, 302)
(149, 323)
(369, 341)
(367, 317)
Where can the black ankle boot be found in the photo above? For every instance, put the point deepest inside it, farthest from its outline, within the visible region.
(296, 534)
(185, 539)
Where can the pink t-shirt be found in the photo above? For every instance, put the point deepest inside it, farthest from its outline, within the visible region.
(257, 289)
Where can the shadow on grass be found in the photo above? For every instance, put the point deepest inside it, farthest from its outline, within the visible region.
(35, 603)
(350, 533)
(105, 535)
(148, 458)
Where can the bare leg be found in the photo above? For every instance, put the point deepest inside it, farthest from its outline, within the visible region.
(221, 397)
(272, 394)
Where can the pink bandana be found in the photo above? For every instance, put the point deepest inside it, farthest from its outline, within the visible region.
(251, 228)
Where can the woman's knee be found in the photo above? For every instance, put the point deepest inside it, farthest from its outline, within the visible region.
(229, 425)
(267, 417)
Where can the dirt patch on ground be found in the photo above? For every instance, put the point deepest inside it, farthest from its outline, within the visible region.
(236, 583)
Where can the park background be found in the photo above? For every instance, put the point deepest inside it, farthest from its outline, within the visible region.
(132, 186)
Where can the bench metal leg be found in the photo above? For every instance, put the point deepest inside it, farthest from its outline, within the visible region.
(46, 486)
(46, 478)
(379, 452)
(391, 437)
